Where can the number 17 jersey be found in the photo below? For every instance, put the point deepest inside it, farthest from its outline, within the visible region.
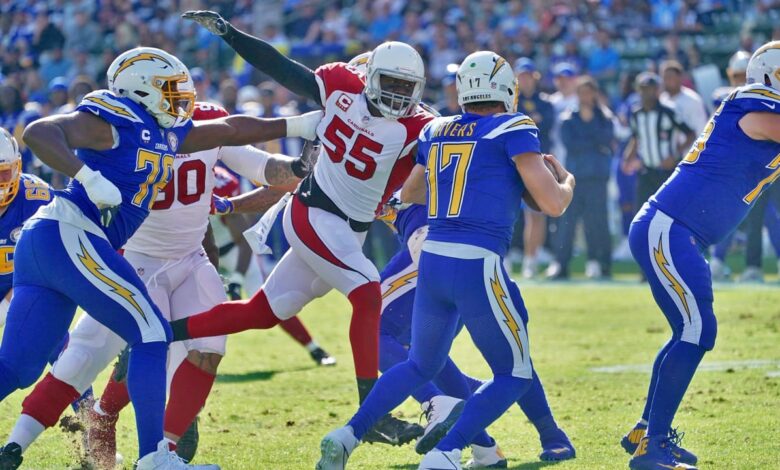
(474, 189)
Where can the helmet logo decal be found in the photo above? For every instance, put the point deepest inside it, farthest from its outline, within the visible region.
(143, 56)
(499, 62)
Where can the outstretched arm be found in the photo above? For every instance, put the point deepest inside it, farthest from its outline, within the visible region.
(259, 200)
(243, 130)
(263, 56)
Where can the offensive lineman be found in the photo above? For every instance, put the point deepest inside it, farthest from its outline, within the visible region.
(368, 137)
(124, 139)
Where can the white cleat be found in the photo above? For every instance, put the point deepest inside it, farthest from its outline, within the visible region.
(440, 460)
(752, 274)
(592, 269)
(719, 270)
(164, 459)
(486, 457)
(441, 412)
(335, 449)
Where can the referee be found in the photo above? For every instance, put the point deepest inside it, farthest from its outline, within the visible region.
(652, 151)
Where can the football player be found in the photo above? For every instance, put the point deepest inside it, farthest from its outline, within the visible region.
(488, 154)
(237, 223)
(368, 137)
(734, 160)
(442, 398)
(125, 139)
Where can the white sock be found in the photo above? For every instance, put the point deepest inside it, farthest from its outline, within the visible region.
(97, 409)
(312, 346)
(25, 431)
(642, 422)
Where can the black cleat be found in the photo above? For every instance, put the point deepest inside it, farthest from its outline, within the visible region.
(10, 456)
(393, 431)
(188, 442)
(322, 358)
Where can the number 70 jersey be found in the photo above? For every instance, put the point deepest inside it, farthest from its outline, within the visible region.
(364, 158)
(474, 189)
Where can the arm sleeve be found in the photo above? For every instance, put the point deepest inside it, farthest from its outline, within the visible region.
(263, 56)
(247, 161)
(522, 141)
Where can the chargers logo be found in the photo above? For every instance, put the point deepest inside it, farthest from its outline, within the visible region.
(344, 102)
(173, 141)
(15, 234)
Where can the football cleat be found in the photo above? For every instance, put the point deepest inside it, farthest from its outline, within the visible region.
(10, 456)
(335, 449)
(486, 457)
(441, 412)
(393, 431)
(164, 459)
(440, 460)
(100, 438)
(188, 442)
(557, 447)
(322, 358)
(631, 440)
(656, 454)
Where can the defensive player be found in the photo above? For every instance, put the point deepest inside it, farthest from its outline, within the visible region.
(442, 398)
(368, 137)
(734, 160)
(227, 187)
(477, 167)
(125, 140)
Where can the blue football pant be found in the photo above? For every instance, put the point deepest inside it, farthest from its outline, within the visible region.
(60, 267)
(494, 317)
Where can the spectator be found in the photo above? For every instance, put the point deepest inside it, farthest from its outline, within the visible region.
(686, 102)
(55, 65)
(46, 35)
(386, 24)
(58, 94)
(539, 108)
(588, 135)
(651, 150)
(564, 99)
(449, 105)
(604, 60)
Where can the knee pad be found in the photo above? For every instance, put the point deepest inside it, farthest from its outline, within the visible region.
(210, 345)
(91, 349)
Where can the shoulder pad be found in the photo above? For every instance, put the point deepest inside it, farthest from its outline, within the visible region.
(109, 107)
(510, 122)
(337, 76)
(431, 126)
(758, 92)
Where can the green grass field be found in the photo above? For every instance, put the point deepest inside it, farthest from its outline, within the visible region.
(271, 406)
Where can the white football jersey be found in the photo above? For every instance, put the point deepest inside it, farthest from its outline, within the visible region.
(177, 223)
(364, 158)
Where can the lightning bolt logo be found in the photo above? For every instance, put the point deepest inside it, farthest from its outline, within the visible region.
(509, 319)
(674, 283)
(136, 58)
(399, 283)
(110, 106)
(499, 62)
(97, 270)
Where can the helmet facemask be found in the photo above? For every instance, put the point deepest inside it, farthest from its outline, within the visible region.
(177, 97)
(395, 94)
(10, 173)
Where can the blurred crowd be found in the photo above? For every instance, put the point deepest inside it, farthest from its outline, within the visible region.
(589, 72)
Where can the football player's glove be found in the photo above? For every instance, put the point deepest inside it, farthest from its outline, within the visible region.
(100, 191)
(221, 205)
(210, 20)
(305, 163)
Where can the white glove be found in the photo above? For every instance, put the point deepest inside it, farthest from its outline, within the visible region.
(99, 190)
(304, 125)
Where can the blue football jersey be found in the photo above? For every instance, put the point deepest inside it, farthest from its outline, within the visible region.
(33, 193)
(717, 183)
(140, 164)
(474, 189)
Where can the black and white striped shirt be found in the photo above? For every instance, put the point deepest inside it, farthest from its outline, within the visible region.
(653, 131)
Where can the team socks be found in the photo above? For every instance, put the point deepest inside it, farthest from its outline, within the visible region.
(674, 375)
(227, 318)
(659, 358)
(189, 389)
(146, 383)
(115, 397)
(366, 303)
(294, 327)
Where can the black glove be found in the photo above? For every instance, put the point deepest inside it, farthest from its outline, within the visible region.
(305, 163)
(210, 20)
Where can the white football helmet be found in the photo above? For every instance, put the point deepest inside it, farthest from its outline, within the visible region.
(764, 64)
(10, 167)
(486, 76)
(400, 61)
(156, 80)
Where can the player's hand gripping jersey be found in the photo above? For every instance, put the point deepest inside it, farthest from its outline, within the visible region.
(140, 165)
(724, 173)
(475, 152)
(365, 158)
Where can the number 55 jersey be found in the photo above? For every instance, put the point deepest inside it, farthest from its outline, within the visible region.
(725, 171)
(364, 158)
